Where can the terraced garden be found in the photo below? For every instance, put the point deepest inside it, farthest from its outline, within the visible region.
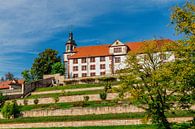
(87, 121)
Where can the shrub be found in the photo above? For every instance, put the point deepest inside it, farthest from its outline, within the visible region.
(64, 93)
(25, 102)
(36, 101)
(107, 87)
(56, 99)
(78, 104)
(103, 95)
(88, 80)
(2, 99)
(10, 110)
(107, 79)
(86, 98)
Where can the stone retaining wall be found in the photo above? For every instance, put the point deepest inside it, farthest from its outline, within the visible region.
(82, 111)
(75, 98)
(87, 123)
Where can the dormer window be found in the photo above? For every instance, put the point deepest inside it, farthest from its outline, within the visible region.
(117, 50)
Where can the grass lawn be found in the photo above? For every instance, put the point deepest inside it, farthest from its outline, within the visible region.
(69, 87)
(87, 117)
(65, 94)
(67, 105)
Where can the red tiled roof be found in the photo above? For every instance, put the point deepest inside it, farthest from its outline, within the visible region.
(103, 50)
(134, 46)
(7, 84)
(91, 51)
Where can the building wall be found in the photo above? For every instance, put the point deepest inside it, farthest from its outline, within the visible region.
(97, 64)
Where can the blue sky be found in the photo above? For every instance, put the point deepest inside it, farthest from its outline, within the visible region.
(27, 27)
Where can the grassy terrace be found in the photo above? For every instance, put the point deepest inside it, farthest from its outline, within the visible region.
(67, 105)
(69, 87)
(65, 94)
(87, 117)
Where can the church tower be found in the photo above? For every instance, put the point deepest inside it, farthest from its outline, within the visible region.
(70, 44)
(69, 50)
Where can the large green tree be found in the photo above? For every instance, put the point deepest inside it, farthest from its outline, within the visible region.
(42, 65)
(159, 86)
(58, 68)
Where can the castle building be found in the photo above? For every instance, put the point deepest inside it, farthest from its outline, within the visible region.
(101, 60)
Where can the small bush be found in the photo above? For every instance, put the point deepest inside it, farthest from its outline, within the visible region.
(25, 102)
(36, 101)
(78, 104)
(2, 99)
(86, 98)
(56, 99)
(88, 80)
(103, 96)
(10, 110)
(108, 87)
(85, 102)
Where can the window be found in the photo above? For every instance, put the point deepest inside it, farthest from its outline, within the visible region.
(75, 68)
(92, 59)
(75, 61)
(117, 59)
(75, 75)
(117, 50)
(92, 74)
(84, 67)
(102, 73)
(83, 60)
(84, 74)
(92, 67)
(102, 66)
(102, 59)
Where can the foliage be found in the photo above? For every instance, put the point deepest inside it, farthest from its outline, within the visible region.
(25, 102)
(2, 79)
(9, 76)
(184, 18)
(155, 85)
(2, 99)
(43, 64)
(10, 109)
(58, 68)
(28, 76)
(108, 87)
(56, 99)
(85, 102)
(86, 98)
(36, 101)
(103, 95)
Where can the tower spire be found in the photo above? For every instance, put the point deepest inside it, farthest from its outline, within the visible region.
(70, 44)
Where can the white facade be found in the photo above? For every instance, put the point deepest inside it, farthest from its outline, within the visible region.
(103, 64)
